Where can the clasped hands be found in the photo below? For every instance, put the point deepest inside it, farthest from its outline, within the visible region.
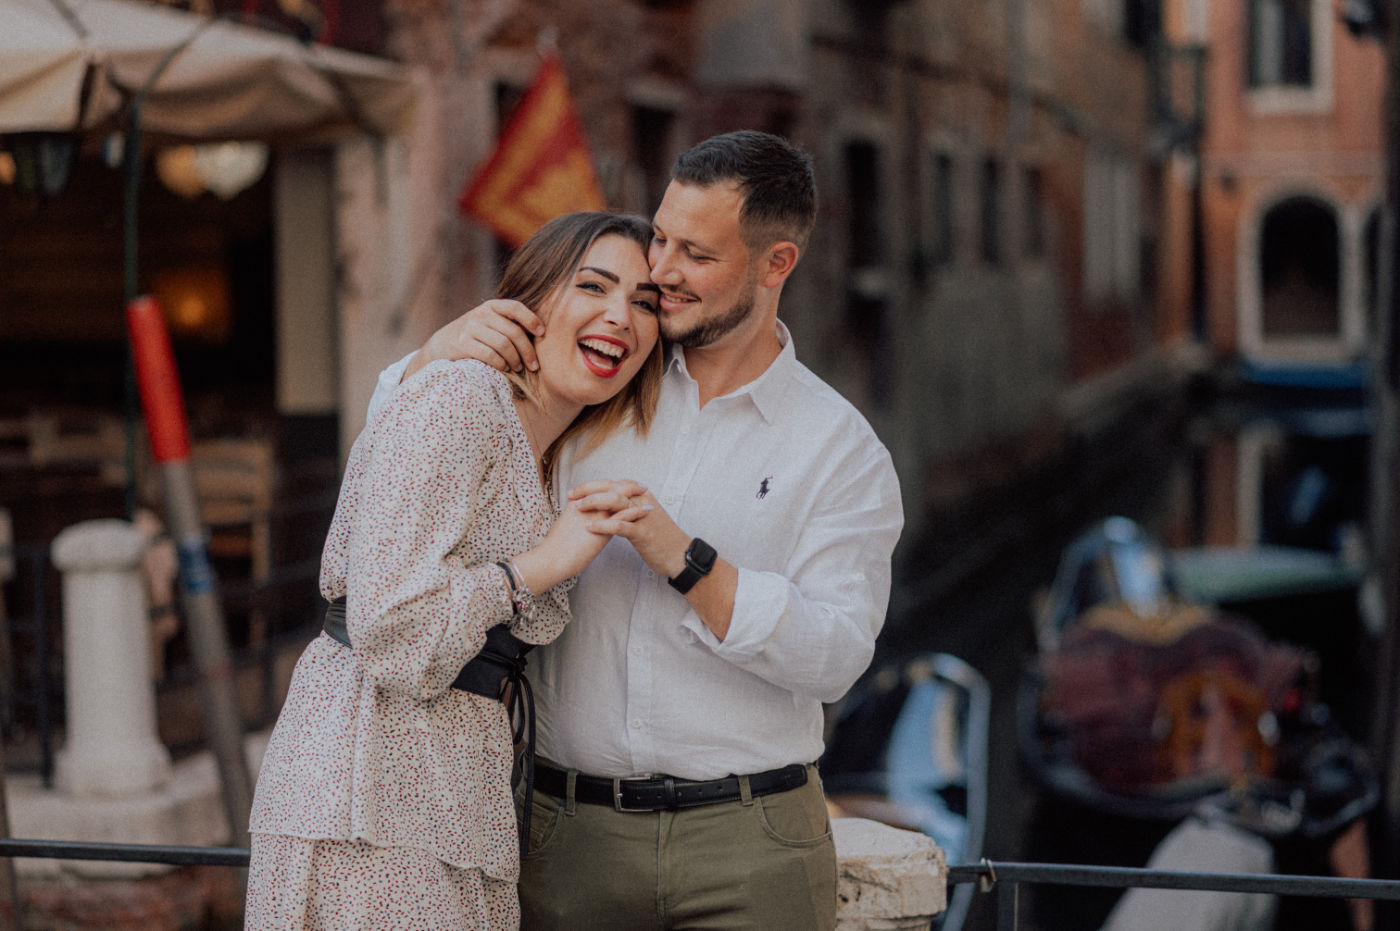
(629, 510)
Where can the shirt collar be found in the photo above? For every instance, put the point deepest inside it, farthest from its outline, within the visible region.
(766, 391)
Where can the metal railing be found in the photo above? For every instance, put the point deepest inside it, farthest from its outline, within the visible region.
(1002, 879)
(31, 695)
(1006, 880)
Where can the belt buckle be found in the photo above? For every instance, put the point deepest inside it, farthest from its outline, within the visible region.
(617, 792)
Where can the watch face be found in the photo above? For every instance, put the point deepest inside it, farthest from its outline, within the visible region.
(701, 555)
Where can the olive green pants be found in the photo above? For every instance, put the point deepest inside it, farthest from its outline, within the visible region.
(757, 864)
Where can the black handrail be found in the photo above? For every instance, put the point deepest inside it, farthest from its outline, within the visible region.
(1003, 878)
(173, 855)
(988, 874)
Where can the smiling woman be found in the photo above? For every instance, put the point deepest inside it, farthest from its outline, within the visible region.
(609, 303)
(447, 560)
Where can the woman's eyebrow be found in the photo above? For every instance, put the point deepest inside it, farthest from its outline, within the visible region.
(601, 271)
(649, 286)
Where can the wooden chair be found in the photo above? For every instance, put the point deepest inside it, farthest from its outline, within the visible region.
(235, 480)
(78, 438)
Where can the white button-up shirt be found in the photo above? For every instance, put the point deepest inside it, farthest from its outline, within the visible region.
(789, 483)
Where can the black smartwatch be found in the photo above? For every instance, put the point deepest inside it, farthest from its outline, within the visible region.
(699, 560)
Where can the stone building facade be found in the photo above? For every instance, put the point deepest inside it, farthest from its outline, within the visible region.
(986, 267)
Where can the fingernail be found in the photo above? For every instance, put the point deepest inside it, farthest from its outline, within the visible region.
(534, 366)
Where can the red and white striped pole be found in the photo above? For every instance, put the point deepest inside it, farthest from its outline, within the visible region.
(164, 408)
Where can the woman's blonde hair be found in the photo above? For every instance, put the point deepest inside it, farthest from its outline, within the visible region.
(541, 265)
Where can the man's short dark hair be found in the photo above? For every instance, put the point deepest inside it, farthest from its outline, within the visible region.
(775, 177)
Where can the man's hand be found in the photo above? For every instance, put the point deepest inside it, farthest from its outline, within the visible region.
(661, 544)
(656, 537)
(499, 332)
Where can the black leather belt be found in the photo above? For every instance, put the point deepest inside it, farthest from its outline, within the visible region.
(664, 793)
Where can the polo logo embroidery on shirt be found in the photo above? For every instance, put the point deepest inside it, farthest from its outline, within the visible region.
(763, 487)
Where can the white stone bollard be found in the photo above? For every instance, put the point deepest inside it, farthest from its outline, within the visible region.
(112, 748)
(887, 879)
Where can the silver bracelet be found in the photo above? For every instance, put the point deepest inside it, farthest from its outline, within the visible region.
(521, 589)
(521, 598)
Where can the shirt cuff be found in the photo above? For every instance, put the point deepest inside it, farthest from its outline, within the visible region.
(388, 381)
(760, 602)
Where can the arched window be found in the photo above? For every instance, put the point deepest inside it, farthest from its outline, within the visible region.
(1299, 271)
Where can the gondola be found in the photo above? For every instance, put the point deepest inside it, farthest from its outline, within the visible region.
(1144, 701)
(909, 748)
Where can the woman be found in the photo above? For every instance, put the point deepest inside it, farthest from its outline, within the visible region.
(384, 798)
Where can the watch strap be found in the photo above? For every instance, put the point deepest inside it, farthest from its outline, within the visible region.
(699, 560)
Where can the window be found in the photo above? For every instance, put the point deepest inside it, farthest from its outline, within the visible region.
(1280, 43)
(1142, 22)
(651, 134)
(867, 289)
(942, 249)
(1112, 229)
(1033, 199)
(991, 212)
(863, 188)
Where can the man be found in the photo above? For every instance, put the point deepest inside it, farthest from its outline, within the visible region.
(750, 595)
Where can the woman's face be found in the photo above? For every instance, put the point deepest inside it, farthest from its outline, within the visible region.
(600, 324)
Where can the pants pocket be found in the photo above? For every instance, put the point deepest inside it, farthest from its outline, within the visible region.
(795, 819)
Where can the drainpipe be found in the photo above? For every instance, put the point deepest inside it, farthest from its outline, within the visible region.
(1385, 464)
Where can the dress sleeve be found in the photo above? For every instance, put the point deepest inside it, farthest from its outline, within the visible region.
(416, 612)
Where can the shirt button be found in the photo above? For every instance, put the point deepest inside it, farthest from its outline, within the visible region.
(636, 651)
(636, 725)
(670, 499)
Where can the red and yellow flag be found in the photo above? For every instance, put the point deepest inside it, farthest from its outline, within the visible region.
(541, 167)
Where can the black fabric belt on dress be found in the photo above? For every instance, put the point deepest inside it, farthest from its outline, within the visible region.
(501, 662)
(664, 793)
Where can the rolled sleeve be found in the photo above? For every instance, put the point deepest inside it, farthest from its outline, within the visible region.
(813, 631)
(760, 603)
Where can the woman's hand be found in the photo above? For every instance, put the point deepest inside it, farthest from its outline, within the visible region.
(571, 543)
(657, 539)
(499, 332)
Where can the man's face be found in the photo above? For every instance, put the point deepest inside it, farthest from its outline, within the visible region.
(700, 261)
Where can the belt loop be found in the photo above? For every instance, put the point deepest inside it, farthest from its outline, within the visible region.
(570, 787)
(745, 793)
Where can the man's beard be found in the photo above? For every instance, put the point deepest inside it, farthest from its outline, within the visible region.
(708, 331)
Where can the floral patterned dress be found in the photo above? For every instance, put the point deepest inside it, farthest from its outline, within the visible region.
(384, 799)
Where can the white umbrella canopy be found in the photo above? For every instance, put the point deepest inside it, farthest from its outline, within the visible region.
(73, 64)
